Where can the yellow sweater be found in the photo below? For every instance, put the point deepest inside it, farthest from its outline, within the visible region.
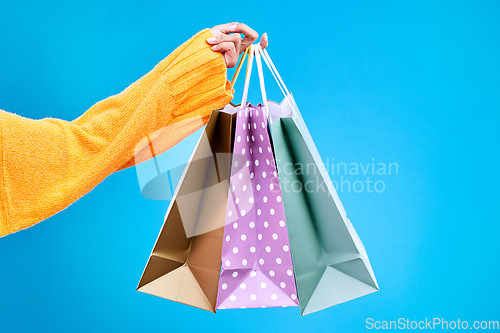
(47, 164)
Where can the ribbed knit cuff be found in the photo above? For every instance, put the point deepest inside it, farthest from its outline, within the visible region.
(185, 86)
(197, 79)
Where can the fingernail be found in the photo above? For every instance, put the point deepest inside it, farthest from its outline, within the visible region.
(211, 40)
(214, 47)
(233, 27)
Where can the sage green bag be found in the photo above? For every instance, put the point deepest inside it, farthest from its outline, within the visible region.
(330, 262)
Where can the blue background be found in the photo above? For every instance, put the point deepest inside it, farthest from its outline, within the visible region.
(412, 83)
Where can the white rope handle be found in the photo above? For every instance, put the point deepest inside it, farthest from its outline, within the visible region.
(277, 77)
(247, 78)
(258, 51)
(274, 71)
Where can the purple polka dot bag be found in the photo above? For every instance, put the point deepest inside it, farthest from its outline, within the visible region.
(256, 263)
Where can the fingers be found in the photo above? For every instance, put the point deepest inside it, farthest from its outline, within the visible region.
(264, 41)
(227, 40)
(228, 45)
(250, 34)
(229, 52)
(224, 28)
(236, 39)
(237, 28)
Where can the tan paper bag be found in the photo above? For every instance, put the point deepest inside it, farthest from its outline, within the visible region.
(184, 265)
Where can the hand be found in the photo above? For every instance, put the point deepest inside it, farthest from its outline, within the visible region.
(227, 40)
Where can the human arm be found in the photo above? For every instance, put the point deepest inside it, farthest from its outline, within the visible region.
(47, 164)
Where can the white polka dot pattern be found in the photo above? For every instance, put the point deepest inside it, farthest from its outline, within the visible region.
(256, 263)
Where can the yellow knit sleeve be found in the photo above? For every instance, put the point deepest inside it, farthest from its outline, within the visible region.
(47, 164)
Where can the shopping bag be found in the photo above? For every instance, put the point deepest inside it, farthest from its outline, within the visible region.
(330, 262)
(256, 263)
(184, 265)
